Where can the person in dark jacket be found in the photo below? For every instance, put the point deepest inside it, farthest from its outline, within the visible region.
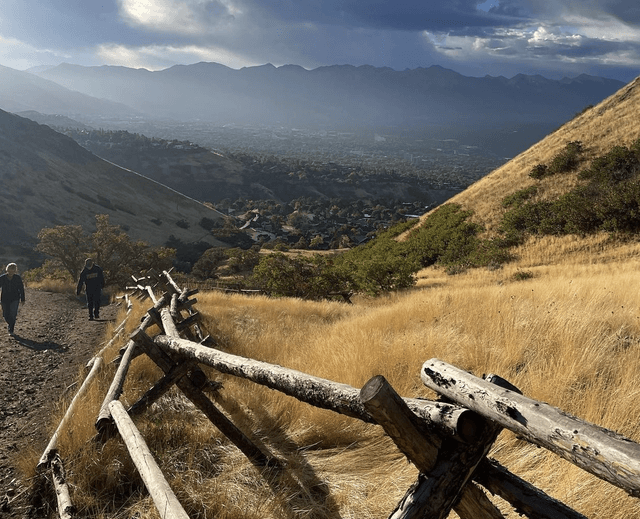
(93, 279)
(12, 293)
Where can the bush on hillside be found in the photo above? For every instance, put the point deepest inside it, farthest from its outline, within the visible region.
(207, 265)
(608, 200)
(565, 161)
(308, 278)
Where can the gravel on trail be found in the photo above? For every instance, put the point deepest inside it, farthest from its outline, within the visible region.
(53, 339)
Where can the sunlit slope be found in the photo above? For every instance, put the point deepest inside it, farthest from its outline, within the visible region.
(612, 122)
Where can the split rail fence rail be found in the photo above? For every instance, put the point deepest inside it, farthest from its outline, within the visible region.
(446, 440)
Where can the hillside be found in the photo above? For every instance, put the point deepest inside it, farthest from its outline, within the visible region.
(21, 91)
(48, 180)
(612, 122)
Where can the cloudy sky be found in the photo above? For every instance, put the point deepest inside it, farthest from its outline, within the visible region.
(555, 38)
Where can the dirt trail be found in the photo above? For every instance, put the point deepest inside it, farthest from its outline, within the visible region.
(53, 339)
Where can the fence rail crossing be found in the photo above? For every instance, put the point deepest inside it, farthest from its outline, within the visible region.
(447, 442)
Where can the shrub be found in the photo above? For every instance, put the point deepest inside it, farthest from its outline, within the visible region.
(522, 275)
(619, 164)
(309, 278)
(539, 171)
(208, 263)
(519, 197)
(567, 160)
(608, 201)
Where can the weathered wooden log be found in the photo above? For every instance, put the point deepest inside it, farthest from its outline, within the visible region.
(344, 399)
(524, 497)
(167, 323)
(191, 320)
(175, 313)
(185, 293)
(435, 493)
(66, 510)
(208, 408)
(104, 421)
(50, 450)
(599, 451)
(418, 443)
(152, 294)
(163, 497)
(390, 411)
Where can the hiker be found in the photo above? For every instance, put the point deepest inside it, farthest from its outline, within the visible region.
(93, 279)
(12, 293)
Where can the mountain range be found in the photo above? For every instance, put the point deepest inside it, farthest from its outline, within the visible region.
(334, 96)
(48, 180)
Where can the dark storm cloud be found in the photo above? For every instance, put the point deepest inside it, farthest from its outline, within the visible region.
(409, 15)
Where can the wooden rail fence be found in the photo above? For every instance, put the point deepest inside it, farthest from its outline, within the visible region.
(447, 441)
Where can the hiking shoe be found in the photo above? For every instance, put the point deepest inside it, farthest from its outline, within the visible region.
(91, 318)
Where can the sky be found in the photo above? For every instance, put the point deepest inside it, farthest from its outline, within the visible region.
(554, 38)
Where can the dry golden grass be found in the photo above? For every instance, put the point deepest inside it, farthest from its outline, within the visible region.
(569, 336)
(61, 286)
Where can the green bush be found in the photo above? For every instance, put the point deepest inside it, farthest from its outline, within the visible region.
(619, 164)
(608, 200)
(519, 197)
(539, 171)
(567, 160)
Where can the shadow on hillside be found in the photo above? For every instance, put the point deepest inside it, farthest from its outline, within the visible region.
(39, 345)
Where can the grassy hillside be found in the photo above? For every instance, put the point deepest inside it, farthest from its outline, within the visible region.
(49, 180)
(612, 122)
(568, 335)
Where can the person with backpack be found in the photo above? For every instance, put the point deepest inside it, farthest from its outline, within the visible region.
(93, 280)
(12, 294)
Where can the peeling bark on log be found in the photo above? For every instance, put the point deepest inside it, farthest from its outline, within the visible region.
(599, 451)
(51, 447)
(418, 443)
(163, 497)
(66, 510)
(524, 497)
(450, 420)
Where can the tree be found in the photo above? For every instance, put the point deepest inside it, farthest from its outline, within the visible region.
(207, 265)
(67, 244)
(309, 278)
(109, 245)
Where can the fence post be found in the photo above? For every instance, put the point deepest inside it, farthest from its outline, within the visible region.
(437, 492)
(163, 497)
